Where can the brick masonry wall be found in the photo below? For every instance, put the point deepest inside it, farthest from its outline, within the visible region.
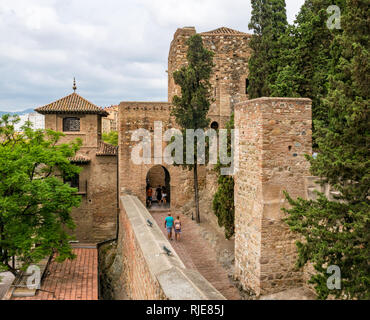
(139, 283)
(275, 133)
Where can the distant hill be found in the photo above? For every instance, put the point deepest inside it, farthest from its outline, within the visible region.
(19, 113)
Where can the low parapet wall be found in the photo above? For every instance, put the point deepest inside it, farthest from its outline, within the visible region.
(148, 272)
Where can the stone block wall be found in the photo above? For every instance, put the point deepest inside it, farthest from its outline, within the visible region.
(275, 134)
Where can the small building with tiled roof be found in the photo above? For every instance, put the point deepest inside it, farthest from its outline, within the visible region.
(76, 117)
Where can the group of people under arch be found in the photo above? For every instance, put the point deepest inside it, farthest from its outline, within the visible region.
(157, 195)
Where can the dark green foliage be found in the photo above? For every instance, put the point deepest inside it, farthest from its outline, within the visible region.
(223, 201)
(191, 109)
(111, 138)
(268, 22)
(337, 233)
(305, 56)
(35, 204)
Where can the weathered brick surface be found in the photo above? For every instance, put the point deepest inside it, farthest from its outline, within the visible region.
(139, 282)
(275, 134)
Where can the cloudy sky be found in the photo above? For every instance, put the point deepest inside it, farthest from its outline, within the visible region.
(116, 49)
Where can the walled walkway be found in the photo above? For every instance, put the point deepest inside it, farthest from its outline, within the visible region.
(196, 254)
(71, 280)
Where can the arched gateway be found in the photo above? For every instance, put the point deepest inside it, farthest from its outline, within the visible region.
(159, 177)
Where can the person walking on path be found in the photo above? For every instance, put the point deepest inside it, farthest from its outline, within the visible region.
(168, 224)
(177, 224)
(164, 196)
(159, 194)
(149, 197)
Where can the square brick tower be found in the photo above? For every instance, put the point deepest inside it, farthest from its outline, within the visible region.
(230, 74)
(275, 134)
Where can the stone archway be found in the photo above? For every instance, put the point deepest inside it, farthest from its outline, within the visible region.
(159, 176)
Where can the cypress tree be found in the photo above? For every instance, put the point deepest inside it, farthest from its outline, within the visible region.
(337, 232)
(191, 108)
(268, 22)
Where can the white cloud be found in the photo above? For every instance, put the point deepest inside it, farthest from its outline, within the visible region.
(116, 49)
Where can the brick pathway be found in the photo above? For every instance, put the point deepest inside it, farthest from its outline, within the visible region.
(197, 254)
(71, 280)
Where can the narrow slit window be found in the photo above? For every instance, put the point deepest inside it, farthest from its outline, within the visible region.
(246, 85)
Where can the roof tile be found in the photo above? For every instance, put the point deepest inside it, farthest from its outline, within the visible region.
(80, 159)
(224, 31)
(73, 103)
(106, 149)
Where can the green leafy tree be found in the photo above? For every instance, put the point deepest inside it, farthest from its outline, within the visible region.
(191, 108)
(337, 232)
(269, 23)
(111, 138)
(35, 203)
(223, 201)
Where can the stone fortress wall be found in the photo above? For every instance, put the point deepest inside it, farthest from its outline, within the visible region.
(275, 133)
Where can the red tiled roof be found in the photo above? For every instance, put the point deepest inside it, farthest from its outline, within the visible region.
(73, 103)
(224, 31)
(71, 280)
(106, 149)
(79, 159)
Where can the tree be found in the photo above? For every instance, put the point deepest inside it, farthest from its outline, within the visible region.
(191, 109)
(35, 203)
(337, 232)
(305, 56)
(111, 138)
(223, 201)
(268, 22)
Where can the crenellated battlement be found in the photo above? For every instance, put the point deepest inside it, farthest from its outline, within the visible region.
(145, 106)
